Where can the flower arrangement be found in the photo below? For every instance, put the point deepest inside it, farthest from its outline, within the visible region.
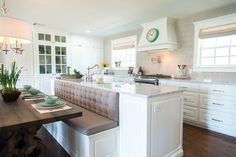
(8, 80)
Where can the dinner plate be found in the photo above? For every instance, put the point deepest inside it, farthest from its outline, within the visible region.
(45, 106)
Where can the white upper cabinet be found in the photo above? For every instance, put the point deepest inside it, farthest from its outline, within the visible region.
(51, 51)
(85, 52)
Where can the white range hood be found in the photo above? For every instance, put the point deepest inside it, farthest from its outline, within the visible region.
(164, 37)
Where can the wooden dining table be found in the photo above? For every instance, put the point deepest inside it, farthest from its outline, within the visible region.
(19, 123)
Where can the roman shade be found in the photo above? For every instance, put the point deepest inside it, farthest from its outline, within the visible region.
(124, 45)
(218, 31)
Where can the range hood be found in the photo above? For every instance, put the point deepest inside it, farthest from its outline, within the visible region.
(158, 35)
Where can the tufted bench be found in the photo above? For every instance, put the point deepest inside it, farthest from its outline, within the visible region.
(96, 129)
(100, 107)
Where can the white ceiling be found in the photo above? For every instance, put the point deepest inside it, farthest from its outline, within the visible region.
(105, 17)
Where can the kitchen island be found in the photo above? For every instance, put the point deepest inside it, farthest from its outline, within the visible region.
(150, 118)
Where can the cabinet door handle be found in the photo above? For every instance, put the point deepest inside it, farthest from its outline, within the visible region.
(184, 87)
(215, 90)
(218, 104)
(217, 120)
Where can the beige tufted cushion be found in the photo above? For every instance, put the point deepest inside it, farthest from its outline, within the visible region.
(102, 102)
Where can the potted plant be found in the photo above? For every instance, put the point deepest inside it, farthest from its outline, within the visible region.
(8, 80)
(117, 63)
(78, 74)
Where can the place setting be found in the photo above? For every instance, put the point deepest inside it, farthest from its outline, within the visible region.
(29, 93)
(50, 104)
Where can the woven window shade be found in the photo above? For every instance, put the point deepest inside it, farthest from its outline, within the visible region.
(124, 45)
(218, 31)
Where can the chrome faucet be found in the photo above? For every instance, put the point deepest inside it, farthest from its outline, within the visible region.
(89, 76)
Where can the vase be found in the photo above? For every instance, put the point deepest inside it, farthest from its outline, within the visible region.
(11, 97)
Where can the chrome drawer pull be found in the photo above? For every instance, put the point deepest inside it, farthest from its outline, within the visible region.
(218, 104)
(218, 91)
(217, 120)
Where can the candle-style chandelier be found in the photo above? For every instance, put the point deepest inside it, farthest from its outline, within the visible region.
(13, 32)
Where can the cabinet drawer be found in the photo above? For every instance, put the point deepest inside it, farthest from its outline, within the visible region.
(183, 85)
(219, 103)
(217, 119)
(189, 86)
(190, 113)
(190, 99)
(219, 89)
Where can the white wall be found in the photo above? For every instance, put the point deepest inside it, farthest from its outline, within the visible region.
(184, 55)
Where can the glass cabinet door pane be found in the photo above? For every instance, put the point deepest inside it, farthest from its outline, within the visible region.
(41, 59)
(63, 59)
(63, 39)
(58, 50)
(48, 60)
(41, 49)
(40, 36)
(48, 50)
(58, 59)
(47, 37)
(58, 68)
(64, 69)
(63, 50)
(57, 38)
(42, 69)
(49, 69)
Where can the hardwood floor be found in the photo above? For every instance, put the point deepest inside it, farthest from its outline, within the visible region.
(197, 142)
(54, 149)
(200, 142)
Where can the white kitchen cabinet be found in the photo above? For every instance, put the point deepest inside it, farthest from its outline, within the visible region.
(211, 106)
(51, 51)
(85, 52)
(218, 120)
(214, 102)
(25, 80)
(161, 131)
(190, 99)
(218, 89)
(190, 113)
(44, 84)
(150, 127)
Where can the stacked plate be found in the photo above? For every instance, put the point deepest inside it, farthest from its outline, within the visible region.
(46, 106)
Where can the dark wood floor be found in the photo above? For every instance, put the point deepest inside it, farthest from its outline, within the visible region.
(197, 142)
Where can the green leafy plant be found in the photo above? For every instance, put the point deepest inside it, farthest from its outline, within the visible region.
(8, 79)
(78, 74)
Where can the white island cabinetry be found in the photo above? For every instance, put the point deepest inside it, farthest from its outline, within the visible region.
(151, 126)
(150, 119)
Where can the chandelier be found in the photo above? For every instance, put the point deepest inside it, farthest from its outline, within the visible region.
(13, 33)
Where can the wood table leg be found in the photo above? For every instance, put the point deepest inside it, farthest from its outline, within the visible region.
(21, 142)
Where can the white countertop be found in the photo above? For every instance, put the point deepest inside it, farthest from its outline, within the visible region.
(139, 89)
(220, 81)
(205, 81)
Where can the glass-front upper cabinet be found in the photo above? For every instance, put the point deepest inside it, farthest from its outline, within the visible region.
(52, 53)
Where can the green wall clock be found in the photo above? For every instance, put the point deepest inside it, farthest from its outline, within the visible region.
(152, 35)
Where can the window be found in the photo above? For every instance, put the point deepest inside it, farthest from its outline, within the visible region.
(219, 51)
(215, 45)
(124, 52)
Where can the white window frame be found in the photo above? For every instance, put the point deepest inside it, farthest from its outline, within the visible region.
(223, 20)
(123, 40)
